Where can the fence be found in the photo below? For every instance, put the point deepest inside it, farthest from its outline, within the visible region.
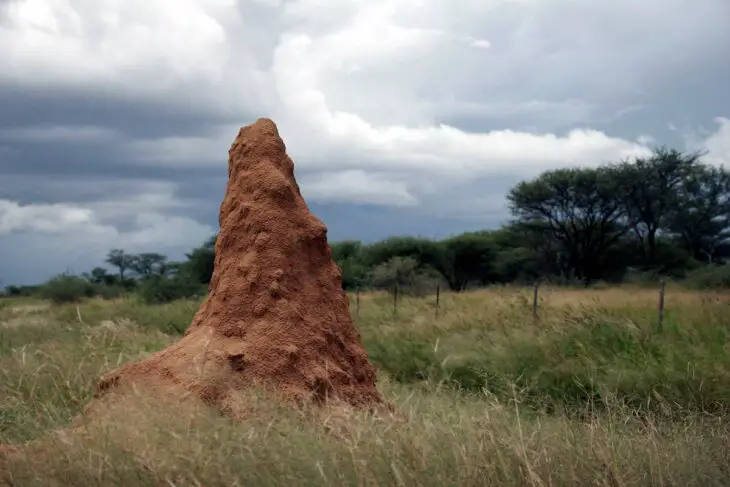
(535, 302)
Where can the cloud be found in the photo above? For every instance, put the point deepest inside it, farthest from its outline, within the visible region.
(57, 134)
(717, 144)
(398, 164)
(53, 219)
(357, 186)
(49, 239)
(406, 110)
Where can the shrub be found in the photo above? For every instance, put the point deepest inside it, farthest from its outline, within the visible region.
(23, 291)
(65, 288)
(405, 274)
(710, 277)
(109, 291)
(160, 290)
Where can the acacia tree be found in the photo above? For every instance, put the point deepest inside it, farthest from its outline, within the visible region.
(348, 256)
(546, 256)
(649, 188)
(468, 258)
(99, 275)
(200, 262)
(579, 209)
(149, 264)
(701, 217)
(121, 260)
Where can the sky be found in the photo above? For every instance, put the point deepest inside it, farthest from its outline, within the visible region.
(402, 116)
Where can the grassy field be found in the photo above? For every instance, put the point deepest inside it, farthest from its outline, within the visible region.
(591, 394)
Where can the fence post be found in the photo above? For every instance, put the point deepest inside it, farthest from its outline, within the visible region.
(662, 286)
(535, 295)
(438, 299)
(357, 301)
(395, 299)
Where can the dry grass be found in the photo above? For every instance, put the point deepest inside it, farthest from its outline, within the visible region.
(655, 415)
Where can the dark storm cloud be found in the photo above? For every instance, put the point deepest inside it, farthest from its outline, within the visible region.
(91, 159)
(76, 189)
(626, 70)
(38, 170)
(690, 97)
(86, 189)
(135, 117)
(83, 171)
(96, 167)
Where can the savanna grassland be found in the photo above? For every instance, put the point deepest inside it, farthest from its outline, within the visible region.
(592, 393)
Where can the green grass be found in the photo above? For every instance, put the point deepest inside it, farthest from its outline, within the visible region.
(593, 393)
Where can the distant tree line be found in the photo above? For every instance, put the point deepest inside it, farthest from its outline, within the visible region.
(665, 215)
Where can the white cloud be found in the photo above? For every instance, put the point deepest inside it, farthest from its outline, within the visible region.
(481, 43)
(357, 186)
(374, 163)
(182, 151)
(142, 49)
(53, 219)
(90, 224)
(82, 41)
(717, 144)
(49, 239)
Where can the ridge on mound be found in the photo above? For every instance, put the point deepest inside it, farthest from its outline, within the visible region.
(276, 314)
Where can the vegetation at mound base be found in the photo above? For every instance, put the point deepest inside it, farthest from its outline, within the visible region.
(593, 393)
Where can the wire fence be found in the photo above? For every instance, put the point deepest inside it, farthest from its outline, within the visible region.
(397, 294)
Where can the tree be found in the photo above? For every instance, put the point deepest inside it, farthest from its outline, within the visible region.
(424, 251)
(149, 264)
(201, 261)
(119, 259)
(579, 209)
(13, 290)
(348, 256)
(468, 258)
(649, 189)
(157, 290)
(175, 269)
(99, 275)
(701, 216)
(346, 249)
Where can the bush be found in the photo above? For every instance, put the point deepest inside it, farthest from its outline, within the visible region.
(65, 288)
(109, 291)
(160, 290)
(710, 277)
(13, 291)
(22, 291)
(405, 274)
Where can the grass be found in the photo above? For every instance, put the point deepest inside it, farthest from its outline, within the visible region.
(593, 393)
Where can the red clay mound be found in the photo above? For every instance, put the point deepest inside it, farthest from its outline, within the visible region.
(276, 314)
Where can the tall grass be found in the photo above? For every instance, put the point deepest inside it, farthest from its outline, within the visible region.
(591, 394)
